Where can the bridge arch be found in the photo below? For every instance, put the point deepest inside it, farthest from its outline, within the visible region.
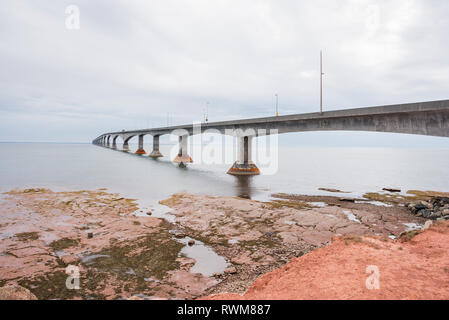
(114, 141)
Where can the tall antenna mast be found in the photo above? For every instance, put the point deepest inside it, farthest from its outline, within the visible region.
(321, 81)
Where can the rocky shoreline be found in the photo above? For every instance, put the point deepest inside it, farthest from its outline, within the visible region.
(121, 255)
(437, 208)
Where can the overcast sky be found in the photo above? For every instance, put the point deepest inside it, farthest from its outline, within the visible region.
(132, 62)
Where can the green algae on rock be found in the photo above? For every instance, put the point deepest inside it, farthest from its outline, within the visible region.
(25, 236)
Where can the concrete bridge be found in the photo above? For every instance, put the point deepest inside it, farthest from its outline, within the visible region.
(424, 118)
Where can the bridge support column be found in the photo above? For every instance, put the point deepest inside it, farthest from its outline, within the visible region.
(244, 166)
(107, 141)
(183, 157)
(140, 149)
(114, 143)
(125, 146)
(155, 153)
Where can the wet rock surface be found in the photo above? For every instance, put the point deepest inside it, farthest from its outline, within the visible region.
(121, 255)
(118, 254)
(257, 237)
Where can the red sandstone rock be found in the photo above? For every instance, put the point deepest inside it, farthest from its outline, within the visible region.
(417, 269)
(69, 259)
(13, 291)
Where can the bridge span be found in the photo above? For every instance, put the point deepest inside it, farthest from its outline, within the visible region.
(423, 118)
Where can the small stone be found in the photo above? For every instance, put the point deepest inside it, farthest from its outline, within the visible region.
(420, 206)
(331, 190)
(391, 190)
(436, 202)
(191, 242)
(13, 291)
(427, 224)
(69, 259)
(347, 199)
(90, 235)
(217, 275)
(426, 204)
(299, 254)
(445, 212)
(425, 213)
(230, 270)
(180, 235)
(435, 214)
(149, 213)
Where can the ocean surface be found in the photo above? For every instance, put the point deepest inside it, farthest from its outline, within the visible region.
(296, 170)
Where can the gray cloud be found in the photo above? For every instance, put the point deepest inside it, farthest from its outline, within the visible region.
(133, 61)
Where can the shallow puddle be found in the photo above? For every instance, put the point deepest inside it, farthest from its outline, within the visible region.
(157, 210)
(6, 235)
(61, 253)
(207, 261)
(90, 258)
(376, 203)
(413, 226)
(351, 216)
(318, 204)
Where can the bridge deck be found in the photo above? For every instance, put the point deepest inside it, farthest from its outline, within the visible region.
(407, 108)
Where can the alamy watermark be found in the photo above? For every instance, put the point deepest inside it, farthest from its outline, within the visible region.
(373, 280)
(227, 146)
(73, 280)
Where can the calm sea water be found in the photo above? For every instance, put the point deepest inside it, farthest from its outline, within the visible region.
(300, 170)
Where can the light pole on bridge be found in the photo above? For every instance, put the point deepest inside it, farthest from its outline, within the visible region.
(277, 113)
(321, 81)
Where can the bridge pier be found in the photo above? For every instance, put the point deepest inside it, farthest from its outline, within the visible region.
(140, 150)
(125, 146)
(114, 142)
(182, 157)
(107, 141)
(155, 153)
(244, 166)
